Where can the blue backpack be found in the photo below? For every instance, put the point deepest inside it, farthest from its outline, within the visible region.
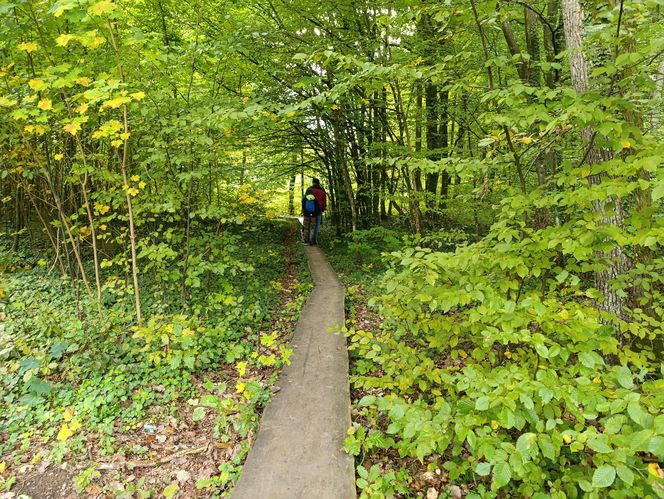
(310, 205)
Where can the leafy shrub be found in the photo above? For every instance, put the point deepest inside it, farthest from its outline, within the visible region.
(495, 361)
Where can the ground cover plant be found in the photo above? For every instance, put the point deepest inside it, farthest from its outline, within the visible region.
(123, 405)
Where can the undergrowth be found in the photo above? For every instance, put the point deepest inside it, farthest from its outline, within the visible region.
(69, 377)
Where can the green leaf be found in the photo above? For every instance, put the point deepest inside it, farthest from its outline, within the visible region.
(39, 386)
(639, 441)
(502, 474)
(483, 469)
(604, 476)
(198, 414)
(624, 377)
(547, 447)
(658, 191)
(482, 403)
(625, 474)
(638, 415)
(656, 446)
(367, 400)
(171, 490)
(599, 444)
(526, 443)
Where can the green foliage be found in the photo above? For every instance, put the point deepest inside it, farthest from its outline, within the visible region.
(495, 361)
(361, 251)
(64, 372)
(374, 484)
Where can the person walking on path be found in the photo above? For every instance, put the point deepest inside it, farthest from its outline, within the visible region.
(314, 203)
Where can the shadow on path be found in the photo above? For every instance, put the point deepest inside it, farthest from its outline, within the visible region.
(298, 452)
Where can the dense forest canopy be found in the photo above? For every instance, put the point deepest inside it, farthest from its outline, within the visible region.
(505, 155)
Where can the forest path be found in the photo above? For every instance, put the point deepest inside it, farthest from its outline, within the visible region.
(298, 452)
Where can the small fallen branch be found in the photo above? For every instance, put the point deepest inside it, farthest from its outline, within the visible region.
(149, 464)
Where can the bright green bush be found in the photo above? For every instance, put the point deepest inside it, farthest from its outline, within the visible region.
(495, 362)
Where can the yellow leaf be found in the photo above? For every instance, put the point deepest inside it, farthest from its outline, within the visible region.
(5, 102)
(567, 439)
(3, 467)
(564, 314)
(655, 470)
(626, 144)
(75, 425)
(64, 433)
(95, 42)
(241, 368)
(240, 386)
(58, 157)
(526, 140)
(72, 128)
(27, 47)
(138, 95)
(84, 81)
(108, 128)
(124, 136)
(334, 106)
(494, 424)
(45, 104)
(69, 412)
(133, 191)
(37, 84)
(64, 39)
(82, 108)
(91, 39)
(102, 208)
(29, 98)
(102, 7)
(116, 143)
(62, 8)
(116, 102)
(170, 491)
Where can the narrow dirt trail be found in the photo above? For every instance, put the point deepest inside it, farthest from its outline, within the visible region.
(298, 452)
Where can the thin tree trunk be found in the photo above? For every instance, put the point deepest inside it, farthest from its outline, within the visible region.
(291, 196)
(125, 180)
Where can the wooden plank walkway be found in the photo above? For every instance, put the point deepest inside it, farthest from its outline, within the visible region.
(298, 452)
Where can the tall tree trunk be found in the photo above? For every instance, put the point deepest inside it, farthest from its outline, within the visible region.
(433, 137)
(533, 47)
(580, 70)
(552, 42)
(417, 174)
(444, 139)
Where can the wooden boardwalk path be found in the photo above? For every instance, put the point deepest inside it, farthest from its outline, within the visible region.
(298, 452)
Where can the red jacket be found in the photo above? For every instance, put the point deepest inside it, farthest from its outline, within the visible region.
(320, 195)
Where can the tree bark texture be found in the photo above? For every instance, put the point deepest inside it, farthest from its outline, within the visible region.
(616, 259)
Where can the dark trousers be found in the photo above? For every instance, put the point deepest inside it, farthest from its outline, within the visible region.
(309, 231)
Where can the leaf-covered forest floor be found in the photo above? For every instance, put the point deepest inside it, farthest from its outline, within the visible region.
(185, 439)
